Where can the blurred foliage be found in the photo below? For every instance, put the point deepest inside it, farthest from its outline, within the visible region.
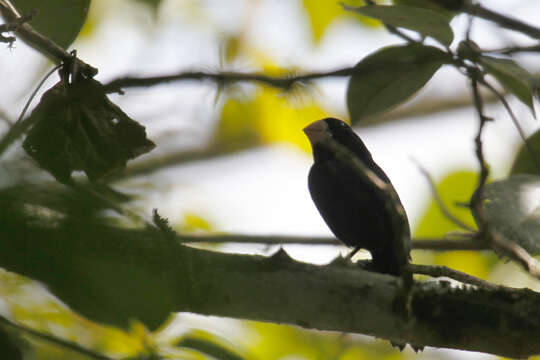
(515, 79)
(425, 22)
(427, 4)
(455, 190)
(527, 159)
(273, 342)
(511, 208)
(193, 222)
(59, 20)
(323, 13)
(270, 116)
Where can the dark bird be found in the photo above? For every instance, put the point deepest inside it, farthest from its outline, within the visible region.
(348, 202)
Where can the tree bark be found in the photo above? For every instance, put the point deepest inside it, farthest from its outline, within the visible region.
(112, 275)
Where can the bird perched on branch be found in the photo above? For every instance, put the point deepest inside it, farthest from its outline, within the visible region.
(360, 206)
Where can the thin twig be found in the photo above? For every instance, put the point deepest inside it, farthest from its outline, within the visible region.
(482, 119)
(439, 271)
(442, 206)
(285, 82)
(57, 341)
(514, 49)
(516, 252)
(475, 9)
(21, 125)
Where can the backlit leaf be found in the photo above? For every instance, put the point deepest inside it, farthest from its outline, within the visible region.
(512, 208)
(512, 77)
(456, 187)
(390, 76)
(59, 20)
(322, 13)
(527, 160)
(424, 21)
(427, 4)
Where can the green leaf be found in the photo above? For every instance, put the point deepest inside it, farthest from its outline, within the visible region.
(389, 76)
(59, 20)
(512, 77)
(526, 162)
(207, 347)
(424, 21)
(428, 4)
(512, 208)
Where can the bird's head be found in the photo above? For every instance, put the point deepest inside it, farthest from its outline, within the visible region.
(330, 128)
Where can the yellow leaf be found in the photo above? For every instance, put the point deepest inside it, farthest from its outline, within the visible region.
(471, 262)
(282, 120)
(193, 222)
(322, 13)
(455, 188)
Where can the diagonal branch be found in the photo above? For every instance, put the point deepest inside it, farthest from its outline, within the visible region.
(41, 43)
(475, 9)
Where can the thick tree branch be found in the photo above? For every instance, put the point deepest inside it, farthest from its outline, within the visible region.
(112, 275)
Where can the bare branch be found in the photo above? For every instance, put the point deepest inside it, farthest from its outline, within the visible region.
(482, 119)
(509, 50)
(515, 252)
(285, 82)
(475, 9)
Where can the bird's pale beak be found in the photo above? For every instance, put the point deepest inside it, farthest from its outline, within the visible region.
(317, 131)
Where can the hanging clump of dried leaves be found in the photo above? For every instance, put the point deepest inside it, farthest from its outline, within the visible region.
(77, 128)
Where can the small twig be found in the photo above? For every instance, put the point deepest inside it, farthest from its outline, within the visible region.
(57, 341)
(439, 271)
(285, 82)
(514, 49)
(21, 125)
(482, 119)
(475, 9)
(442, 206)
(516, 252)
